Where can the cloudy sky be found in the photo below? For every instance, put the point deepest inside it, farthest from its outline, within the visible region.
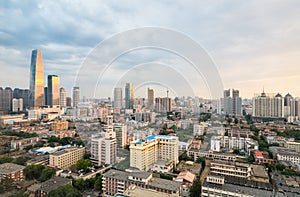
(253, 45)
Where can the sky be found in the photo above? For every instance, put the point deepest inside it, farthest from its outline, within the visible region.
(97, 45)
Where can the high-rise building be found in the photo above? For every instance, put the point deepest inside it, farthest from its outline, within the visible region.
(53, 90)
(163, 104)
(150, 99)
(267, 105)
(69, 102)
(118, 98)
(104, 146)
(36, 79)
(76, 96)
(129, 96)
(232, 104)
(62, 97)
(145, 152)
(46, 95)
(6, 96)
(17, 104)
(121, 135)
(24, 94)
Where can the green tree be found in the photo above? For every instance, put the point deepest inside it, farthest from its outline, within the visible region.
(28, 147)
(280, 167)
(65, 191)
(33, 171)
(80, 184)
(251, 159)
(98, 184)
(6, 159)
(165, 176)
(195, 190)
(83, 164)
(236, 151)
(20, 160)
(185, 157)
(47, 174)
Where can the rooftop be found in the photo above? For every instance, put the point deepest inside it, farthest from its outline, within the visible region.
(153, 137)
(8, 168)
(239, 189)
(50, 184)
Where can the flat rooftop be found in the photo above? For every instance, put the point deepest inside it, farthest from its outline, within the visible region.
(8, 168)
(239, 189)
(153, 137)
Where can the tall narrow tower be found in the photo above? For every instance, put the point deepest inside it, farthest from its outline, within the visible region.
(129, 96)
(53, 90)
(36, 79)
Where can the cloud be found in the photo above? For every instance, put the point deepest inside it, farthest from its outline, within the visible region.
(252, 43)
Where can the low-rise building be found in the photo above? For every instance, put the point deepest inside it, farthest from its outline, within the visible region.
(44, 188)
(193, 167)
(134, 191)
(162, 166)
(11, 171)
(117, 182)
(22, 143)
(216, 186)
(285, 154)
(293, 145)
(66, 157)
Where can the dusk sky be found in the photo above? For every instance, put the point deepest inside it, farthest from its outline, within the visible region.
(253, 44)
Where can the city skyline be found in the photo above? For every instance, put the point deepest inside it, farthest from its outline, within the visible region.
(241, 38)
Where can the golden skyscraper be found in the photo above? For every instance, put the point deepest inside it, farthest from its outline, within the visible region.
(53, 90)
(36, 79)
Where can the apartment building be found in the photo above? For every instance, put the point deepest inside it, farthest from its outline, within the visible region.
(293, 145)
(67, 157)
(210, 155)
(22, 143)
(217, 186)
(117, 182)
(11, 171)
(219, 142)
(145, 152)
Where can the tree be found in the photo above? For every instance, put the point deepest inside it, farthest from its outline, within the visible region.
(33, 171)
(200, 160)
(280, 167)
(47, 174)
(79, 184)
(98, 184)
(20, 160)
(65, 191)
(251, 159)
(165, 176)
(236, 121)
(185, 157)
(236, 151)
(195, 190)
(6, 160)
(83, 164)
(52, 144)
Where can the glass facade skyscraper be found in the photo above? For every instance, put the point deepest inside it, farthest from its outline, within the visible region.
(129, 96)
(36, 79)
(53, 90)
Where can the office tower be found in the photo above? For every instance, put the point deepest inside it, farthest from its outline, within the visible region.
(76, 96)
(6, 96)
(150, 99)
(69, 102)
(36, 79)
(145, 152)
(232, 103)
(129, 96)
(17, 105)
(163, 105)
(267, 105)
(53, 90)
(118, 98)
(104, 146)
(62, 97)
(24, 94)
(46, 95)
(121, 135)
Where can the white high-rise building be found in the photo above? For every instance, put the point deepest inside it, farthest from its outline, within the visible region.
(121, 134)
(17, 104)
(76, 96)
(62, 97)
(267, 105)
(118, 98)
(104, 145)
